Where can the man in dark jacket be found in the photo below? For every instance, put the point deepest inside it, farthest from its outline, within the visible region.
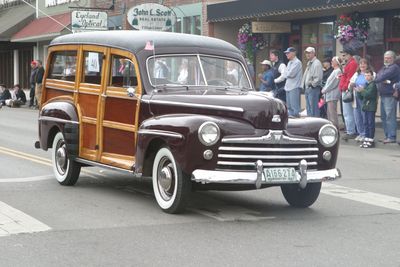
(385, 79)
(38, 82)
(32, 83)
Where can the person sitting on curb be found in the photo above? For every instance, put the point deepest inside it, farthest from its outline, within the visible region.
(18, 97)
(4, 95)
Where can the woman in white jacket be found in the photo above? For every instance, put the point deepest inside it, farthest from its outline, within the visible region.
(331, 91)
(356, 84)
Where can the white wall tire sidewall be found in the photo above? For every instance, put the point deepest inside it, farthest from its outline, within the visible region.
(60, 178)
(164, 152)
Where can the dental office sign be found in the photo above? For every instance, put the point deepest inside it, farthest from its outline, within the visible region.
(88, 21)
(151, 17)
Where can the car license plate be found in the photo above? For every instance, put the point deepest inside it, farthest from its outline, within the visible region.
(279, 175)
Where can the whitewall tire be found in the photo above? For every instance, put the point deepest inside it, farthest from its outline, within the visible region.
(171, 187)
(65, 170)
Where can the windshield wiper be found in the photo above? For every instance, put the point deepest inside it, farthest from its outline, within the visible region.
(171, 85)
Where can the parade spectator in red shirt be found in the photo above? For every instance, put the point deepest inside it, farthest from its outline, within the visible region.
(348, 72)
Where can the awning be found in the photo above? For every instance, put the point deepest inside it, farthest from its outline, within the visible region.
(14, 19)
(246, 9)
(45, 28)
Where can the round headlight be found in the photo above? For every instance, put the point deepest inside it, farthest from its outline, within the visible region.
(209, 133)
(328, 135)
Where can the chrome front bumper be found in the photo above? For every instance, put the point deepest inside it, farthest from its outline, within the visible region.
(257, 177)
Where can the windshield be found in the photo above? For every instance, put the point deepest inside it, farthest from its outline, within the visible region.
(192, 70)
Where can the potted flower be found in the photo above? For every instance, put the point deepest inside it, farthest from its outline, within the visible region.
(352, 30)
(249, 42)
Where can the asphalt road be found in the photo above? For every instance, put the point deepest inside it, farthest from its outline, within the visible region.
(112, 219)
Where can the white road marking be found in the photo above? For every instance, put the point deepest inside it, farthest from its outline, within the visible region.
(26, 179)
(366, 197)
(13, 221)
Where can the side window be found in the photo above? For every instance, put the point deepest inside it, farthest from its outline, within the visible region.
(63, 66)
(123, 73)
(93, 65)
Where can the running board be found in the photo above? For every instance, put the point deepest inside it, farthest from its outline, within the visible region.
(101, 165)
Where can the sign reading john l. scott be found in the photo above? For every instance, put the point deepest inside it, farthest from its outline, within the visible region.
(88, 21)
(151, 17)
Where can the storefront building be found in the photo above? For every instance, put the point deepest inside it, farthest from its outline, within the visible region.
(14, 15)
(312, 23)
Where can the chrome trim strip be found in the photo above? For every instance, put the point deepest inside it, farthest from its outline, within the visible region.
(238, 177)
(97, 164)
(269, 164)
(61, 89)
(269, 149)
(273, 137)
(235, 156)
(47, 118)
(160, 132)
(162, 102)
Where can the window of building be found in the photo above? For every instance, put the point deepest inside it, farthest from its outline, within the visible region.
(319, 36)
(123, 72)
(63, 66)
(393, 39)
(93, 66)
(375, 45)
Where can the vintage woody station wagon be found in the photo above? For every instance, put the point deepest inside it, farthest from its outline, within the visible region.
(180, 109)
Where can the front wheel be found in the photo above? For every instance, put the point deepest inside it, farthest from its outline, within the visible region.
(65, 169)
(171, 187)
(301, 198)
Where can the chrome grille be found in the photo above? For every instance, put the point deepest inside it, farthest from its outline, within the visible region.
(275, 150)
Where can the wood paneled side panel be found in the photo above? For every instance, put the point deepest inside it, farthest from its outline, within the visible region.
(118, 142)
(89, 138)
(120, 110)
(88, 104)
(52, 93)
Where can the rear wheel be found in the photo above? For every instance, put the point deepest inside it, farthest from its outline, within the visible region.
(171, 187)
(65, 169)
(301, 198)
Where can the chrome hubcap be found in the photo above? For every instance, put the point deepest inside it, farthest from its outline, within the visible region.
(61, 159)
(166, 179)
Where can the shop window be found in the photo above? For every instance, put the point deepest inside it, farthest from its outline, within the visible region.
(375, 45)
(197, 25)
(93, 66)
(123, 72)
(63, 66)
(393, 39)
(319, 36)
(187, 25)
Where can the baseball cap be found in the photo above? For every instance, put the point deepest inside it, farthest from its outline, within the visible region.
(310, 49)
(290, 49)
(266, 62)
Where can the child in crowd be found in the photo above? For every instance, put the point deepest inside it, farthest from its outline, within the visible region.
(369, 95)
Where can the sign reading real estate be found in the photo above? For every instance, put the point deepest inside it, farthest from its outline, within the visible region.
(89, 21)
(151, 17)
(270, 27)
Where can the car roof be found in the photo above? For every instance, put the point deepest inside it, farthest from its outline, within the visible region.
(135, 41)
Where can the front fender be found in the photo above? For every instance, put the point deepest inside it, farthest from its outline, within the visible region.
(180, 133)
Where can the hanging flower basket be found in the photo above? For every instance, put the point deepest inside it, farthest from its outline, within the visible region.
(352, 30)
(249, 42)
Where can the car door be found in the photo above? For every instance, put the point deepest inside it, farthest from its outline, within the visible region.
(88, 99)
(120, 110)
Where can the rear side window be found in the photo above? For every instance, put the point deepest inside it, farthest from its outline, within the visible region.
(93, 66)
(123, 73)
(63, 66)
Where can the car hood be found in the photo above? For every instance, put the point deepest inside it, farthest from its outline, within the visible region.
(258, 109)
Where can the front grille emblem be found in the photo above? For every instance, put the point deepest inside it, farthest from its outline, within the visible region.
(276, 118)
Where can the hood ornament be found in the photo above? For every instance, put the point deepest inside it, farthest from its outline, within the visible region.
(276, 118)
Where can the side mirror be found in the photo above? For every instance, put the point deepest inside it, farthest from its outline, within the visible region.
(131, 91)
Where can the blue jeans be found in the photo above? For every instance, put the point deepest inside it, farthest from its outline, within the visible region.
(359, 117)
(312, 99)
(388, 116)
(348, 113)
(369, 124)
(293, 102)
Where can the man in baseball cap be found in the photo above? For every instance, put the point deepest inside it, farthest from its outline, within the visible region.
(293, 75)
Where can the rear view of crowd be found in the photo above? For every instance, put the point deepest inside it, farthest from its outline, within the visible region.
(349, 80)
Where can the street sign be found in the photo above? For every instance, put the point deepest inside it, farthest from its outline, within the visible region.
(151, 17)
(89, 21)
